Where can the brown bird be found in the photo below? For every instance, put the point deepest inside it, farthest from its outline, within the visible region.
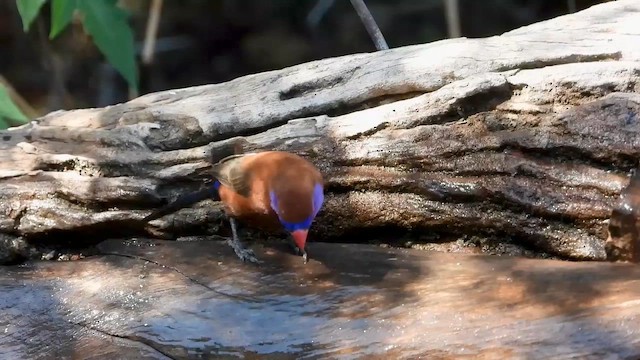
(267, 190)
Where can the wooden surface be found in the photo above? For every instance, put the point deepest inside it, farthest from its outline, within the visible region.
(527, 136)
(194, 300)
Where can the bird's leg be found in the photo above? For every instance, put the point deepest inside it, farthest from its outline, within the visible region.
(243, 253)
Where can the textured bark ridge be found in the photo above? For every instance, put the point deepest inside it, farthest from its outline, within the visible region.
(623, 242)
(527, 137)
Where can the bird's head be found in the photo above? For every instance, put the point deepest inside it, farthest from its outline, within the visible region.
(297, 206)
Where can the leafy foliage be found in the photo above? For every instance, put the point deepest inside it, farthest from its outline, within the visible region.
(61, 14)
(28, 10)
(108, 26)
(9, 111)
(103, 20)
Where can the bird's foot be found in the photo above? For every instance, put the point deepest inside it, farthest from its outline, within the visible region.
(298, 251)
(243, 253)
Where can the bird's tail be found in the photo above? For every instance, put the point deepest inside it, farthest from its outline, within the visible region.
(185, 200)
(231, 150)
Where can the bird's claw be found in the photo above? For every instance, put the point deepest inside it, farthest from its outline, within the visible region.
(243, 253)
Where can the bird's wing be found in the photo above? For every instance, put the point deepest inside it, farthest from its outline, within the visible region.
(230, 173)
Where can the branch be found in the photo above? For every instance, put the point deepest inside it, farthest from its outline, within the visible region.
(370, 24)
(152, 31)
(453, 18)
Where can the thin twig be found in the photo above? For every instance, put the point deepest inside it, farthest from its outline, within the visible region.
(453, 18)
(370, 24)
(152, 31)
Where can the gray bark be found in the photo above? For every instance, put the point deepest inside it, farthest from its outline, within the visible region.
(527, 136)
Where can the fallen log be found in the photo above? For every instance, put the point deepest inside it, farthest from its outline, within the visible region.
(526, 138)
(191, 300)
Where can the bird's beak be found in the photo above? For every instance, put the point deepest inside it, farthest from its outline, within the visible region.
(300, 238)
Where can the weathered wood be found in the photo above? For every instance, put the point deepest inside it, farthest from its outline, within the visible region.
(623, 242)
(192, 300)
(527, 136)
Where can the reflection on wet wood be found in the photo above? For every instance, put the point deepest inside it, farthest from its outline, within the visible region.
(193, 300)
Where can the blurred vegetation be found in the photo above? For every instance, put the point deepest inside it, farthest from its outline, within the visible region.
(103, 20)
(67, 54)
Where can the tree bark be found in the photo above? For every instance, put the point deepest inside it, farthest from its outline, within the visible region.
(527, 137)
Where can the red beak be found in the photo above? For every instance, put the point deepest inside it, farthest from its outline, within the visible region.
(300, 238)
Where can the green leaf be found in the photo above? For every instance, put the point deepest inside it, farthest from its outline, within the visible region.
(61, 15)
(9, 110)
(107, 24)
(28, 10)
(4, 124)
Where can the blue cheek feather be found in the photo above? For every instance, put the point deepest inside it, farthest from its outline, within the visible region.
(216, 185)
(291, 227)
(318, 200)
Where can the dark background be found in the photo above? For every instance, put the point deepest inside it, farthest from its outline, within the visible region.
(211, 41)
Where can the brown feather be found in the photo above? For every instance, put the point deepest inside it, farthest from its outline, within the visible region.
(230, 173)
(247, 180)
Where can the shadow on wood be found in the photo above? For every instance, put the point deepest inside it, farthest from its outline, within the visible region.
(195, 300)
